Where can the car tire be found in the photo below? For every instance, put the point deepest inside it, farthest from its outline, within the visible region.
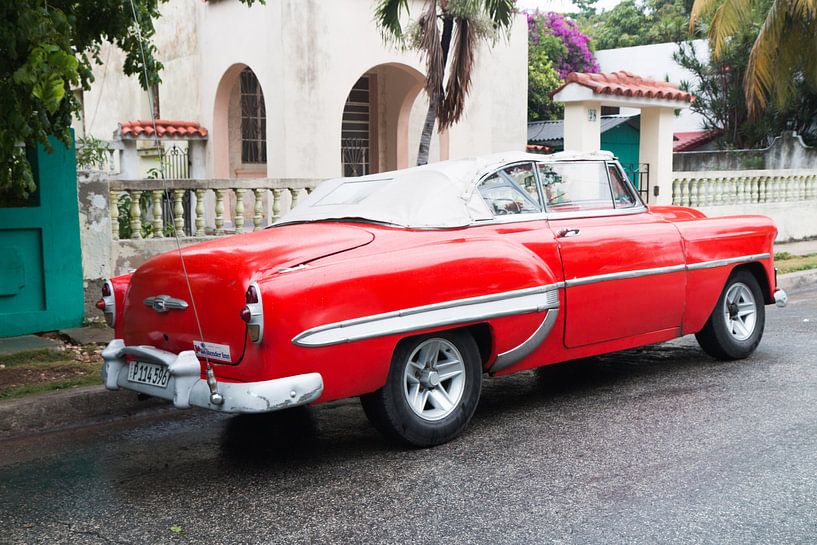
(735, 327)
(432, 389)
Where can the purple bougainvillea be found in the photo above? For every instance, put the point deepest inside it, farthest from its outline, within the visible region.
(575, 55)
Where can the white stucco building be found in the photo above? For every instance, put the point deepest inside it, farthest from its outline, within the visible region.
(298, 88)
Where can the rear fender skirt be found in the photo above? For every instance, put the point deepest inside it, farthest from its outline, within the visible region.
(506, 359)
(459, 311)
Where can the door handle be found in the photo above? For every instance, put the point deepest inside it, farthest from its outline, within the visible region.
(571, 232)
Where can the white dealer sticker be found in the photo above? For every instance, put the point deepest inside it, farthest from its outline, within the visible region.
(213, 351)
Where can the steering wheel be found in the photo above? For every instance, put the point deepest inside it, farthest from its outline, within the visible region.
(505, 206)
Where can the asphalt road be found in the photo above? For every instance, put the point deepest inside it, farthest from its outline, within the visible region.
(657, 445)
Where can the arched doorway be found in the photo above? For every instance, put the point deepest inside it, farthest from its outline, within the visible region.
(239, 135)
(383, 110)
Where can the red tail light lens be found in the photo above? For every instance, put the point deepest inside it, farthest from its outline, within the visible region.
(253, 313)
(108, 303)
(252, 295)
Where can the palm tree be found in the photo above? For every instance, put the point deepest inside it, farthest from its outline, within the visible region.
(465, 22)
(783, 52)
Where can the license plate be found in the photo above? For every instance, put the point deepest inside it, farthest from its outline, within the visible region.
(148, 373)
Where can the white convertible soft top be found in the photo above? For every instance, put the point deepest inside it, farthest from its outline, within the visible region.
(439, 195)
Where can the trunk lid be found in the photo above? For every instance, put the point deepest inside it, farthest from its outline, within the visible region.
(219, 272)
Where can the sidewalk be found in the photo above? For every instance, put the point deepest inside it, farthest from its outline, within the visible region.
(797, 281)
(800, 247)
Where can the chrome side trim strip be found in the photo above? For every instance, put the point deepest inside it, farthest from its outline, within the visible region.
(498, 305)
(638, 273)
(730, 261)
(622, 275)
(506, 359)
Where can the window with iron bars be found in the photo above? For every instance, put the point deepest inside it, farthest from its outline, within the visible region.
(355, 130)
(253, 119)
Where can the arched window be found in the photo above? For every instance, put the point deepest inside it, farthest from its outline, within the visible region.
(253, 119)
(355, 142)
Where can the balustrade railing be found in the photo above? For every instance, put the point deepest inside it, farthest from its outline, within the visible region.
(138, 207)
(721, 188)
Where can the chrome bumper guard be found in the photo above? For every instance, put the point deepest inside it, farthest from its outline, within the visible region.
(781, 299)
(186, 388)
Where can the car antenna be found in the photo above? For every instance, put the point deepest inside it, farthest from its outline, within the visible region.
(215, 397)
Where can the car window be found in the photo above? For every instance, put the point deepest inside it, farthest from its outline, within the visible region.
(622, 196)
(512, 190)
(575, 186)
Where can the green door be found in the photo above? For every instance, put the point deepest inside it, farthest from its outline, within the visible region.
(40, 257)
(623, 142)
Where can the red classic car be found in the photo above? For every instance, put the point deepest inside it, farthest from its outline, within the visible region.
(406, 287)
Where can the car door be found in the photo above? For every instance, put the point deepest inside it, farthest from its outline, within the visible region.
(623, 267)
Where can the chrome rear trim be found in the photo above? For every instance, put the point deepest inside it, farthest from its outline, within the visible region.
(472, 309)
(506, 359)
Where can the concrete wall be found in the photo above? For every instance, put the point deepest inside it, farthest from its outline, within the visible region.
(786, 152)
(794, 220)
(307, 55)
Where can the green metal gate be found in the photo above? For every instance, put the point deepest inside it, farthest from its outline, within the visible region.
(40, 256)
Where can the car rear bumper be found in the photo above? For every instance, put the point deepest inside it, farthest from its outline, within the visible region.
(186, 388)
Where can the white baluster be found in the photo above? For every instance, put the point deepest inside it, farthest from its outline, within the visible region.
(258, 218)
(178, 211)
(113, 206)
(135, 214)
(200, 232)
(239, 210)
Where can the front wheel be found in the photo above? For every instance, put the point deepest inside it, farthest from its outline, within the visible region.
(432, 389)
(735, 327)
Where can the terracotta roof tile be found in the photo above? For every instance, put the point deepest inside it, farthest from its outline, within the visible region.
(687, 141)
(164, 129)
(627, 84)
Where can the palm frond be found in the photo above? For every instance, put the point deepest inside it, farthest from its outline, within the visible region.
(761, 69)
(500, 12)
(700, 10)
(431, 50)
(387, 16)
(459, 78)
(730, 17)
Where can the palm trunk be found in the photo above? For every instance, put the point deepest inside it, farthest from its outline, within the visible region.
(431, 114)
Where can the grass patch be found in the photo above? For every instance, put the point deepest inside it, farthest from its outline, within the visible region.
(34, 357)
(796, 263)
(30, 389)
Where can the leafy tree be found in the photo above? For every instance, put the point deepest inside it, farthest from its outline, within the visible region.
(639, 22)
(542, 81)
(574, 54)
(46, 50)
(782, 54)
(556, 47)
(721, 101)
(463, 22)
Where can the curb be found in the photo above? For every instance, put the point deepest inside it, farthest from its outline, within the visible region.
(798, 281)
(71, 408)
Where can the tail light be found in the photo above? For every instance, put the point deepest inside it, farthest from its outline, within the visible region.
(253, 313)
(108, 303)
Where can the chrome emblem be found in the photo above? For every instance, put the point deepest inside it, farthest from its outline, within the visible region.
(163, 303)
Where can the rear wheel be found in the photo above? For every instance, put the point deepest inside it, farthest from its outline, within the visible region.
(432, 389)
(735, 327)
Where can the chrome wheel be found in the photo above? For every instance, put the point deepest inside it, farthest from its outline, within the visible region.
(740, 311)
(434, 379)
